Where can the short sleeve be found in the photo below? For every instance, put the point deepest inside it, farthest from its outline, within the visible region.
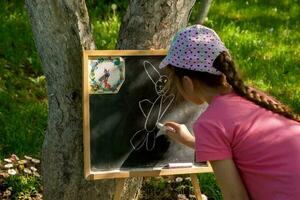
(211, 141)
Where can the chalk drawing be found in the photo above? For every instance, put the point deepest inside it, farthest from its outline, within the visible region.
(158, 108)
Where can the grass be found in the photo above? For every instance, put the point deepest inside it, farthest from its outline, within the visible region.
(264, 39)
(22, 180)
(23, 102)
(170, 188)
(261, 35)
(23, 187)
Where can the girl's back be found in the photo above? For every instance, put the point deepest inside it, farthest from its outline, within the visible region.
(264, 146)
(251, 139)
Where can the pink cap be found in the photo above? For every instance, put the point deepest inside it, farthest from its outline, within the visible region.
(195, 47)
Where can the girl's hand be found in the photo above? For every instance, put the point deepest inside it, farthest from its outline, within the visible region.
(180, 134)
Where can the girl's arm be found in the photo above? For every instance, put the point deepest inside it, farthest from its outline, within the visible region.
(181, 135)
(226, 173)
(229, 180)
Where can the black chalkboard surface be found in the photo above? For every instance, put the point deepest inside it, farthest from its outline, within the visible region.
(120, 130)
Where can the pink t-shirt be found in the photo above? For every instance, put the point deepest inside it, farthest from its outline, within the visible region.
(264, 146)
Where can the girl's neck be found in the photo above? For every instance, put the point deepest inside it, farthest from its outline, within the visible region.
(210, 94)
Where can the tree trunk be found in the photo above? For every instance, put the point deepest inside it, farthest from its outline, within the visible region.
(204, 8)
(61, 31)
(152, 23)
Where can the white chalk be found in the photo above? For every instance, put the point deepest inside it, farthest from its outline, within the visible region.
(164, 128)
(159, 125)
(176, 165)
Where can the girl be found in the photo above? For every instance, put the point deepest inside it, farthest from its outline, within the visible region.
(251, 140)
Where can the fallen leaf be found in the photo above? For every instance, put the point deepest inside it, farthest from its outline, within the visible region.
(36, 161)
(12, 172)
(8, 160)
(27, 157)
(8, 166)
(27, 171)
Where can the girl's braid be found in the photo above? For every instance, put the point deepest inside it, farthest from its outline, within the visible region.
(226, 65)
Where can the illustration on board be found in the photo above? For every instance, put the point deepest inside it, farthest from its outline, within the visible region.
(106, 75)
(152, 111)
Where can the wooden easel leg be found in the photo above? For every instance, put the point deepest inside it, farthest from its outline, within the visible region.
(119, 188)
(196, 186)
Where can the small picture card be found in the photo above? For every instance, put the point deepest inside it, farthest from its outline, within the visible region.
(106, 74)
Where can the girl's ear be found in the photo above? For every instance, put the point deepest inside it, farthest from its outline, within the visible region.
(223, 80)
(187, 84)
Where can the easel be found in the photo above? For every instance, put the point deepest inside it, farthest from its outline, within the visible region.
(121, 175)
(194, 180)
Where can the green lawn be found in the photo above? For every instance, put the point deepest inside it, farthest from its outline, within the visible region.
(23, 102)
(263, 37)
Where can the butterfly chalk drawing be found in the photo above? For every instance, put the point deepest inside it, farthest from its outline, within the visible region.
(158, 108)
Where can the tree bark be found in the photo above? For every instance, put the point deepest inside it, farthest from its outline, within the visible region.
(153, 23)
(61, 30)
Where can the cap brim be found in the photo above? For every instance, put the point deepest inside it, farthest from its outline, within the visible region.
(163, 63)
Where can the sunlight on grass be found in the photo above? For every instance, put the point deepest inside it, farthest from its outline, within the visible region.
(263, 38)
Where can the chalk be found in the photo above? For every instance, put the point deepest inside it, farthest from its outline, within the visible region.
(178, 165)
(159, 125)
(164, 128)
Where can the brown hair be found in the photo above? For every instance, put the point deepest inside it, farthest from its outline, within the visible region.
(226, 65)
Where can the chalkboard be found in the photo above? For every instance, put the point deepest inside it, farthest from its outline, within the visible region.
(120, 114)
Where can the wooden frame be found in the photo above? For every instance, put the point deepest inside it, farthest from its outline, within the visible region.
(90, 175)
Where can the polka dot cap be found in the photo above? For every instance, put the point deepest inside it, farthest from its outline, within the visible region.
(195, 48)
